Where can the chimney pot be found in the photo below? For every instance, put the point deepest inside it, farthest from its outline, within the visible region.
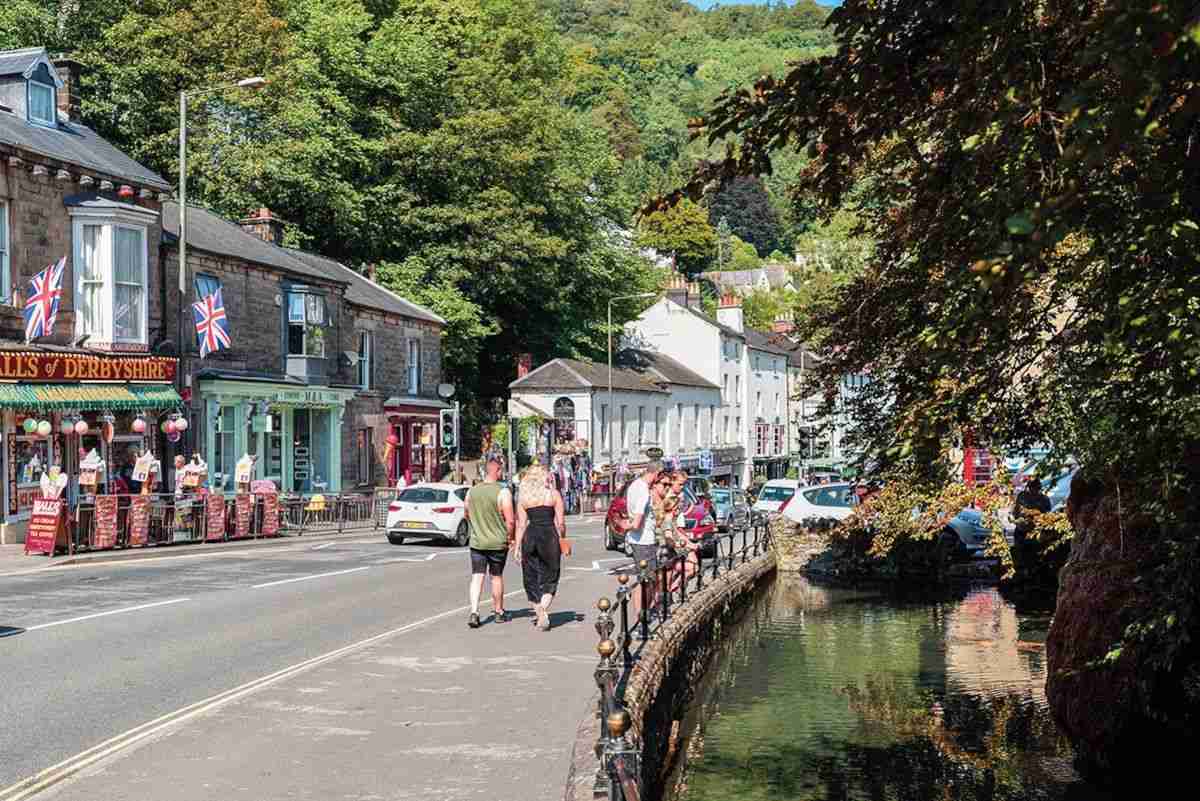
(265, 225)
(524, 364)
(371, 271)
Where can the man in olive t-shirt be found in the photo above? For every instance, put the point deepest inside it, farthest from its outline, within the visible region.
(490, 512)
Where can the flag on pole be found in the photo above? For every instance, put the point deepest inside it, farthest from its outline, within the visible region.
(212, 329)
(41, 309)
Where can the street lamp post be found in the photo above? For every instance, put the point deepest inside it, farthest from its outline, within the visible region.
(246, 83)
(612, 462)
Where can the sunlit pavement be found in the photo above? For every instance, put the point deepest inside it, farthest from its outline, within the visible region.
(339, 669)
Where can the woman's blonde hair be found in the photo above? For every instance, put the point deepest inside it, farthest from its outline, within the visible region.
(534, 489)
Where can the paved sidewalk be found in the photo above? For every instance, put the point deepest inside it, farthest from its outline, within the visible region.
(437, 712)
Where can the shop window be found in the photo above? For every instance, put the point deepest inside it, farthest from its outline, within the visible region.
(366, 359)
(414, 367)
(365, 462)
(224, 461)
(32, 459)
(5, 278)
(110, 280)
(307, 323)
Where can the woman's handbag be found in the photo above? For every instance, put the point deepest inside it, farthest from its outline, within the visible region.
(564, 545)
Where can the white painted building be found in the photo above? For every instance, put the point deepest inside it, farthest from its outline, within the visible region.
(656, 402)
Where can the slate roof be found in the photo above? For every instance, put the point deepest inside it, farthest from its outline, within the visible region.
(767, 341)
(663, 366)
(575, 374)
(777, 276)
(17, 62)
(365, 292)
(70, 142)
(208, 231)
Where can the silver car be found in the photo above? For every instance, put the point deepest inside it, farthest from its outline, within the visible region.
(730, 508)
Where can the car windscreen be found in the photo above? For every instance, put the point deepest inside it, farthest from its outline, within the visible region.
(423, 495)
(719, 495)
(776, 493)
(828, 496)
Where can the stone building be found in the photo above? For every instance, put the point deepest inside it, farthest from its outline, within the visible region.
(325, 365)
(67, 194)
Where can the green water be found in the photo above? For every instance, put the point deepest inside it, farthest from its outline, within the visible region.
(853, 694)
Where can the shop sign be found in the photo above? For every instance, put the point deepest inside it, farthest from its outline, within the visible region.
(139, 520)
(654, 453)
(104, 533)
(43, 526)
(270, 522)
(242, 506)
(215, 517)
(83, 367)
(321, 397)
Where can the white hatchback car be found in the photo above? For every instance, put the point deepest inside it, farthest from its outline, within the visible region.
(836, 501)
(429, 510)
(774, 495)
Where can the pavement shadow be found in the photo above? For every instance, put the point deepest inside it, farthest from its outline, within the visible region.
(559, 618)
(9, 631)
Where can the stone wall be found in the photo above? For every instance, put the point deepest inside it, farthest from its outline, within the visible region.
(661, 684)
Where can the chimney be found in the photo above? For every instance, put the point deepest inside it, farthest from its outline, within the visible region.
(372, 272)
(68, 70)
(265, 225)
(693, 296)
(524, 364)
(783, 324)
(676, 288)
(729, 311)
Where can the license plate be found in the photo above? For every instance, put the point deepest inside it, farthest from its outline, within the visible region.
(413, 524)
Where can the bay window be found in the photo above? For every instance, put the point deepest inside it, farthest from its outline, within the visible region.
(5, 278)
(110, 267)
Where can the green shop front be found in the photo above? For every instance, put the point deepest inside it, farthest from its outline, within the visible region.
(293, 431)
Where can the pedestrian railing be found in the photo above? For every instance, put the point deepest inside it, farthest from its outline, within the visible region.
(645, 601)
(107, 522)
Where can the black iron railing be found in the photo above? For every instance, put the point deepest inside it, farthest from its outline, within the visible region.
(646, 599)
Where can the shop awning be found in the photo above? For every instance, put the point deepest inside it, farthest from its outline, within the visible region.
(87, 396)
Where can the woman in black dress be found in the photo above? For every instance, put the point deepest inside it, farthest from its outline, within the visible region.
(540, 522)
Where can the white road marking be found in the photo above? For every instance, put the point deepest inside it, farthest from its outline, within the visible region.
(306, 578)
(39, 782)
(427, 558)
(596, 564)
(323, 547)
(105, 614)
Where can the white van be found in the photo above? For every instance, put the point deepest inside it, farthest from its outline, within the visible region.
(774, 494)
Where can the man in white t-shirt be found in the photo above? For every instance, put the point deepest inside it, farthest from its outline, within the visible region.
(639, 516)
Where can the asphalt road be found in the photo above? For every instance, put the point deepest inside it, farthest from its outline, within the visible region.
(89, 652)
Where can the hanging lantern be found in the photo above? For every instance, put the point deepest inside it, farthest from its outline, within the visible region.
(67, 426)
(139, 425)
(181, 424)
(30, 425)
(81, 427)
(166, 427)
(44, 428)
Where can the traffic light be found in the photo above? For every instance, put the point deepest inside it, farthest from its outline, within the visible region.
(449, 427)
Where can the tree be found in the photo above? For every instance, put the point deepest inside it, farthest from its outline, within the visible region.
(763, 307)
(745, 204)
(1032, 188)
(683, 232)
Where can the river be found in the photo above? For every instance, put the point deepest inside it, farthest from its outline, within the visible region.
(833, 693)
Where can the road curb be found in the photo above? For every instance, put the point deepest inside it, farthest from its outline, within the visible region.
(167, 551)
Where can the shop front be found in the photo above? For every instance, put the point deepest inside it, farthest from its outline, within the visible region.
(416, 454)
(59, 406)
(727, 466)
(294, 433)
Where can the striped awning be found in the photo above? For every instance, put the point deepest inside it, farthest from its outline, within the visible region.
(87, 396)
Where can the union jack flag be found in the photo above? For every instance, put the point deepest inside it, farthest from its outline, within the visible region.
(41, 309)
(212, 329)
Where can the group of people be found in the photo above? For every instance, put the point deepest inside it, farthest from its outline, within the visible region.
(529, 527)
(654, 502)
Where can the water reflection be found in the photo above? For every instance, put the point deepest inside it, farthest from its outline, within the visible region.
(852, 694)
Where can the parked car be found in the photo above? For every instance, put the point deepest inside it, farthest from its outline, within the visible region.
(774, 494)
(836, 501)
(429, 510)
(698, 520)
(730, 508)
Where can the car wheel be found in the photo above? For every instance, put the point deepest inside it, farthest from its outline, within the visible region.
(628, 548)
(463, 535)
(395, 539)
(609, 545)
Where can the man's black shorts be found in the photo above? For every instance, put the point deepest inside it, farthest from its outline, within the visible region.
(488, 561)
